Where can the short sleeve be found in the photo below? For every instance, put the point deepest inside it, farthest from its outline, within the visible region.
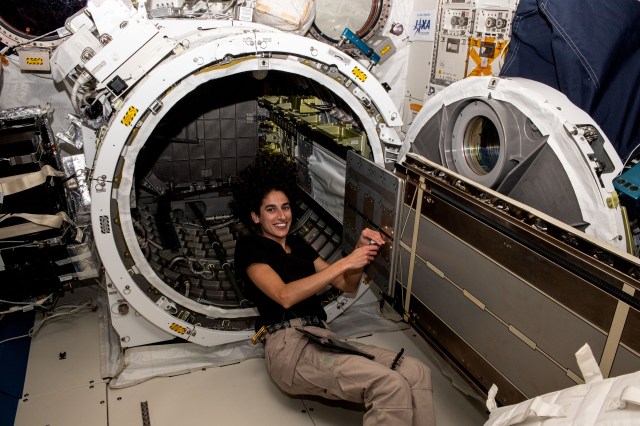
(248, 251)
(302, 248)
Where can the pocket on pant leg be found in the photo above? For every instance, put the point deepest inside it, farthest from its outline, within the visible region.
(274, 349)
(315, 371)
(284, 349)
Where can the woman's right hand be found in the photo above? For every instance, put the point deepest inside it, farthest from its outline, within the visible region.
(361, 256)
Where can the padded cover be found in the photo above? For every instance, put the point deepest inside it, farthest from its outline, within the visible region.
(590, 51)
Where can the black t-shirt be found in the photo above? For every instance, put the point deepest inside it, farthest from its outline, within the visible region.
(290, 267)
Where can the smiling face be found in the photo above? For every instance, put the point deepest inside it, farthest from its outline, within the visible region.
(274, 216)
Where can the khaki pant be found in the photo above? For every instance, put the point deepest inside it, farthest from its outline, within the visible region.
(391, 397)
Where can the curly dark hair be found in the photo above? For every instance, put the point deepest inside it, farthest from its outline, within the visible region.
(270, 171)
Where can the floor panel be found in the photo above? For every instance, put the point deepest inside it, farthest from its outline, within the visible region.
(65, 354)
(67, 390)
(83, 406)
(238, 394)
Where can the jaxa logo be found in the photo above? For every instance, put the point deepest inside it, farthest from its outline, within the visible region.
(422, 25)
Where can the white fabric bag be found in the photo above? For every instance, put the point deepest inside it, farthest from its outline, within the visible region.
(611, 402)
(287, 15)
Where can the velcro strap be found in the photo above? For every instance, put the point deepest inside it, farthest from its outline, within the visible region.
(13, 184)
(35, 223)
(588, 365)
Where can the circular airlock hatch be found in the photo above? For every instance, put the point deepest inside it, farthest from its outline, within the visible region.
(363, 17)
(516, 136)
(478, 149)
(194, 127)
(35, 22)
(481, 145)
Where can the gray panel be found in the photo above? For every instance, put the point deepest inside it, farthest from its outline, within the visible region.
(192, 133)
(200, 129)
(182, 172)
(545, 175)
(371, 199)
(228, 111)
(626, 362)
(183, 134)
(247, 147)
(215, 166)
(427, 141)
(213, 114)
(555, 330)
(180, 151)
(212, 149)
(212, 129)
(196, 167)
(466, 282)
(196, 152)
(228, 128)
(532, 372)
(228, 148)
(246, 107)
(164, 171)
(245, 130)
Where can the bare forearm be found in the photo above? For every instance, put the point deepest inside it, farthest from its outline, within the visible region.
(299, 290)
(343, 274)
(293, 292)
(348, 281)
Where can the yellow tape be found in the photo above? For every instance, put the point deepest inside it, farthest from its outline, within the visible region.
(34, 61)
(360, 75)
(129, 116)
(178, 328)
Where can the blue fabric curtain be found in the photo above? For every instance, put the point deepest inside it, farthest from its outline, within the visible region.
(590, 51)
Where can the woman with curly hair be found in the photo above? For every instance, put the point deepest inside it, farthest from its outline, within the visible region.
(283, 275)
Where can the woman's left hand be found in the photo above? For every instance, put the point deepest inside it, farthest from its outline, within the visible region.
(369, 236)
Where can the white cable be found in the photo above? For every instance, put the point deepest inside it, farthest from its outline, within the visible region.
(15, 303)
(37, 302)
(73, 309)
(24, 306)
(14, 338)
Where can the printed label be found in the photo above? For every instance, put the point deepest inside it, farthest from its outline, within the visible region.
(129, 116)
(178, 328)
(360, 75)
(35, 61)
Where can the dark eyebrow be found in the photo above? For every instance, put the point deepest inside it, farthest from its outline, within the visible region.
(273, 205)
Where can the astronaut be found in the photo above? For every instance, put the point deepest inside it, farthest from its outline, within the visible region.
(283, 274)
